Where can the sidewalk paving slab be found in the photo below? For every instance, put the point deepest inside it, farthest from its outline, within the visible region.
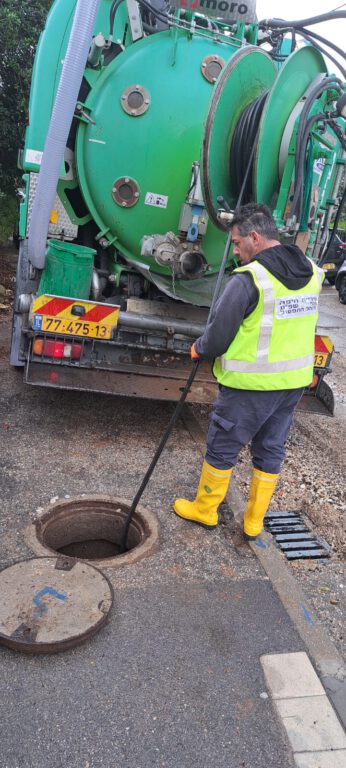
(311, 724)
(321, 759)
(291, 675)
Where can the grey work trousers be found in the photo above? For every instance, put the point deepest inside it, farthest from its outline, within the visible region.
(262, 419)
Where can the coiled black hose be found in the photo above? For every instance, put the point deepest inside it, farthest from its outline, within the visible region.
(302, 138)
(243, 146)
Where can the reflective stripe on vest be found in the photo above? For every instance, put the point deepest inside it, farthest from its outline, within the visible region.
(261, 364)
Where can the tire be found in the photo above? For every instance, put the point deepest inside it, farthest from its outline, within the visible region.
(342, 290)
(331, 280)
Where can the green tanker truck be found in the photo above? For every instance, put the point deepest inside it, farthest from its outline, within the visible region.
(147, 125)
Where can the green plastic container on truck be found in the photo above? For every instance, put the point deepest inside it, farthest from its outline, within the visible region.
(68, 270)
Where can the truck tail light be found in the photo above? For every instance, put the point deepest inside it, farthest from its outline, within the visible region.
(53, 349)
(57, 349)
(72, 351)
(37, 346)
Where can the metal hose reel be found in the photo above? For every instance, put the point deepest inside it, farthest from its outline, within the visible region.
(252, 105)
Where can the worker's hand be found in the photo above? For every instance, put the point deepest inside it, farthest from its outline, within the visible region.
(193, 352)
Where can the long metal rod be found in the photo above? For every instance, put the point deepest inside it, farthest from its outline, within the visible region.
(178, 407)
(157, 454)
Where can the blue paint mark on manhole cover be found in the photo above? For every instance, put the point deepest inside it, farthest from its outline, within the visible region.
(50, 604)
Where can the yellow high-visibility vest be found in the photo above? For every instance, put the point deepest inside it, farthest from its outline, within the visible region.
(274, 346)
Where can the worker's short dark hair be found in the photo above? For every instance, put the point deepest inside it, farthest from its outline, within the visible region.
(255, 217)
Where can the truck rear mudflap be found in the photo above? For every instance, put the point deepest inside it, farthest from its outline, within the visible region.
(98, 348)
(319, 398)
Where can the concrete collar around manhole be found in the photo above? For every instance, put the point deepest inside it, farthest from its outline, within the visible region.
(90, 528)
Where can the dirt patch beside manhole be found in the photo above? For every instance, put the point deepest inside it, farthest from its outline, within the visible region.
(91, 528)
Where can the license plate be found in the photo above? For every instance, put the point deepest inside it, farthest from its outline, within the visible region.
(76, 328)
(321, 360)
(328, 266)
(70, 317)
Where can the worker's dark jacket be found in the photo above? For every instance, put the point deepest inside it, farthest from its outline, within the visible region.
(286, 262)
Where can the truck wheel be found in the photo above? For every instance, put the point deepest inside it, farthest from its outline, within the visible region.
(342, 290)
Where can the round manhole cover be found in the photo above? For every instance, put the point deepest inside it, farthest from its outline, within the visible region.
(50, 604)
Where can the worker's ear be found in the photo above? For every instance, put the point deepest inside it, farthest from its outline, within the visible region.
(255, 237)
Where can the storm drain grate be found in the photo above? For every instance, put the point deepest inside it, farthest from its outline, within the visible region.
(294, 537)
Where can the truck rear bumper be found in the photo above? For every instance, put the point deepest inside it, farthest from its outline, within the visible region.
(147, 359)
(153, 386)
(160, 386)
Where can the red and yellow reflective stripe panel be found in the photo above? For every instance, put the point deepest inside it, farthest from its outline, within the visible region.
(55, 314)
(323, 344)
(323, 349)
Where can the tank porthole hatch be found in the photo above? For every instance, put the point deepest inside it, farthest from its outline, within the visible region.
(211, 67)
(125, 192)
(135, 100)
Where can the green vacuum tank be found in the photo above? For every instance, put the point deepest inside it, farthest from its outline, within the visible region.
(141, 167)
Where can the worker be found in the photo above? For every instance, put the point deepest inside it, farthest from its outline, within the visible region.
(261, 338)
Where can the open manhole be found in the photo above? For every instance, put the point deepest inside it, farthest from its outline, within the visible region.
(91, 528)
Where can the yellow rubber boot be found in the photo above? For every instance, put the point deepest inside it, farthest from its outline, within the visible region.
(211, 492)
(261, 490)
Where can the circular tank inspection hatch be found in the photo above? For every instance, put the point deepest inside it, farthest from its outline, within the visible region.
(52, 604)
